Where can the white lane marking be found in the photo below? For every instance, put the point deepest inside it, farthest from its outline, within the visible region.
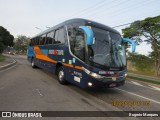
(156, 88)
(144, 86)
(14, 61)
(136, 83)
(138, 95)
(39, 92)
(8, 68)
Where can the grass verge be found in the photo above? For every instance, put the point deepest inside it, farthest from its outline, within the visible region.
(2, 57)
(145, 80)
(148, 73)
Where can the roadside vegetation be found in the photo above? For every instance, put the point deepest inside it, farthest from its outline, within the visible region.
(140, 64)
(19, 47)
(2, 57)
(147, 30)
(6, 39)
(21, 44)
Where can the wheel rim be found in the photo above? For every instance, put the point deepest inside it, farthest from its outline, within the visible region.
(61, 75)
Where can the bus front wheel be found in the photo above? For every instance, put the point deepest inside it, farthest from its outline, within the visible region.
(61, 75)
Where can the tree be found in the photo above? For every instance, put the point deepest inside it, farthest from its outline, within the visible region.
(21, 43)
(147, 30)
(6, 39)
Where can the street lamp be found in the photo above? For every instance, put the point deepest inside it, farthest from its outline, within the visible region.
(48, 27)
(38, 28)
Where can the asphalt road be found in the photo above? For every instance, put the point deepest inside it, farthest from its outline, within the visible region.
(23, 88)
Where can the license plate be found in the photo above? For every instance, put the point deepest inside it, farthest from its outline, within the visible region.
(113, 85)
(114, 78)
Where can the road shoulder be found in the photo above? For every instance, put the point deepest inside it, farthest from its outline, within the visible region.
(8, 62)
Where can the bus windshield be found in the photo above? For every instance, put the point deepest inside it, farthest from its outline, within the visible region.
(107, 49)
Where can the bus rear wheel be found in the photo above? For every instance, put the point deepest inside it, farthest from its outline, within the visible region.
(61, 75)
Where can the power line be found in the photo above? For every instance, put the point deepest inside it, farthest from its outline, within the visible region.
(131, 22)
(109, 7)
(39, 28)
(123, 9)
(101, 3)
(88, 8)
(122, 25)
(97, 7)
(130, 8)
(141, 18)
(84, 10)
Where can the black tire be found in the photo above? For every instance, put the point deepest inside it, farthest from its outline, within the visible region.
(60, 74)
(33, 63)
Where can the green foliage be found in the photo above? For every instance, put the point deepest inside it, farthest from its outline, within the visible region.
(147, 30)
(6, 39)
(2, 47)
(2, 58)
(21, 43)
(142, 63)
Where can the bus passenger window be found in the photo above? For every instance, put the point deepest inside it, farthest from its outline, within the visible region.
(31, 42)
(50, 38)
(36, 41)
(43, 38)
(40, 40)
(59, 36)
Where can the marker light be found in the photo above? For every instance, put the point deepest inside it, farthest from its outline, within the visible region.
(89, 84)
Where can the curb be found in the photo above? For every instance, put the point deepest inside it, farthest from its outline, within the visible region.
(8, 65)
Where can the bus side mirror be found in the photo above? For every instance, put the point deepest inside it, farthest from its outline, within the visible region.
(131, 42)
(89, 34)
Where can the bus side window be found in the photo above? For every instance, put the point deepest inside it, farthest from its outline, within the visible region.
(33, 41)
(40, 40)
(36, 41)
(77, 42)
(59, 36)
(50, 38)
(43, 39)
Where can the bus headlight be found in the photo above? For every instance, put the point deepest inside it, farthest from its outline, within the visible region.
(125, 75)
(95, 75)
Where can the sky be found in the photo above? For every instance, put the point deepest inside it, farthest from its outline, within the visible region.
(23, 17)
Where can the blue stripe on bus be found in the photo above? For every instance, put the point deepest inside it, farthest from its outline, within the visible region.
(45, 51)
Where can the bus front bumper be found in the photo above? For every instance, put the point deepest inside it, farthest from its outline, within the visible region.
(106, 82)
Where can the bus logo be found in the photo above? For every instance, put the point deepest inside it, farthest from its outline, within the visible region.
(56, 52)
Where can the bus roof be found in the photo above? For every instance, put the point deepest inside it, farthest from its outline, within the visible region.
(80, 20)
